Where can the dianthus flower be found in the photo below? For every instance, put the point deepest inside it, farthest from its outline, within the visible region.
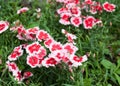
(22, 10)
(109, 7)
(3, 26)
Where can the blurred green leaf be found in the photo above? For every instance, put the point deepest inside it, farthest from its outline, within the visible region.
(0, 51)
(118, 62)
(118, 71)
(118, 51)
(109, 85)
(118, 78)
(106, 63)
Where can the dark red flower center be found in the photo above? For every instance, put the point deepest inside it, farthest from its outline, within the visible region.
(76, 21)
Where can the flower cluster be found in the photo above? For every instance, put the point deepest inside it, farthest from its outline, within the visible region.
(72, 12)
(50, 54)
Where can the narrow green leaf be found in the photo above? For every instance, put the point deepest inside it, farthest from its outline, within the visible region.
(118, 78)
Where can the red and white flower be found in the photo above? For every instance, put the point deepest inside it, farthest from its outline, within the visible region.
(21, 32)
(42, 53)
(22, 10)
(3, 26)
(12, 66)
(77, 61)
(33, 30)
(71, 38)
(30, 36)
(55, 46)
(89, 22)
(75, 11)
(62, 10)
(17, 73)
(49, 62)
(76, 21)
(65, 18)
(32, 60)
(13, 56)
(93, 10)
(88, 2)
(21, 29)
(27, 74)
(31, 33)
(99, 7)
(17, 52)
(18, 77)
(70, 48)
(42, 35)
(48, 42)
(33, 48)
(58, 54)
(66, 56)
(109, 7)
